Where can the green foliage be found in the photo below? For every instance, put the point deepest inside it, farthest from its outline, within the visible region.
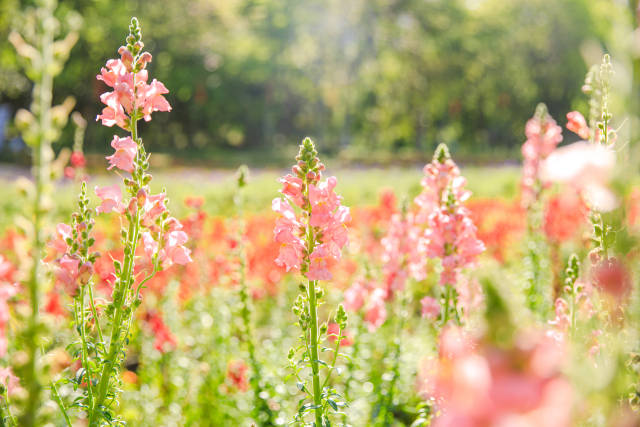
(378, 76)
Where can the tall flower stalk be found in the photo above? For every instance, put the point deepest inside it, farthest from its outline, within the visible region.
(450, 232)
(44, 57)
(151, 239)
(311, 239)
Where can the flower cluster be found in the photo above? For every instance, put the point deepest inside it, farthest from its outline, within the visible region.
(8, 289)
(451, 233)
(132, 97)
(543, 136)
(366, 296)
(403, 252)
(312, 241)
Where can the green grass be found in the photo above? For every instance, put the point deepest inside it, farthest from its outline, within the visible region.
(358, 186)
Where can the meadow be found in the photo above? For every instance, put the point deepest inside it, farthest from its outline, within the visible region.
(135, 290)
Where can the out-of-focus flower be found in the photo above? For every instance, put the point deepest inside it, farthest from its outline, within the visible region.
(430, 308)
(475, 384)
(9, 380)
(332, 335)
(375, 311)
(404, 252)
(543, 135)
(578, 125)
(587, 167)
(164, 340)
(612, 276)
(237, 371)
(564, 215)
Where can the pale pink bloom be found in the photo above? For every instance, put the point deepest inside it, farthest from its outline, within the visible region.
(67, 272)
(149, 243)
(287, 232)
(323, 202)
(292, 188)
(9, 380)
(437, 177)
(578, 125)
(111, 199)
(561, 321)
(154, 206)
(376, 312)
(151, 99)
(452, 237)
(355, 296)
(59, 242)
(430, 308)
(125, 155)
(587, 167)
(543, 135)
(319, 264)
(174, 250)
(404, 252)
(476, 384)
(7, 290)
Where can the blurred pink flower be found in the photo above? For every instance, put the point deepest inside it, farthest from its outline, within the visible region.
(430, 308)
(587, 167)
(9, 380)
(543, 135)
(59, 242)
(375, 312)
(354, 296)
(578, 125)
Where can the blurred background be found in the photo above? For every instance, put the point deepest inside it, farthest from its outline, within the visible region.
(372, 81)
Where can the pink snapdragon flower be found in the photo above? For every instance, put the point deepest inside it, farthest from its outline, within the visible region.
(111, 199)
(403, 252)
(174, 250)
(452, 237)
(126, 151)
(131, 94)
(59, 242)
(7, 291)
(439, 175)
(543, 135)
(376, 311)
(577, 124)
(312, 240)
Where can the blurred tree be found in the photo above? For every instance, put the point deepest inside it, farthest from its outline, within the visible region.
(371, 75)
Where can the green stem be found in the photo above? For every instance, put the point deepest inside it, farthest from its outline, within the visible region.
(313, 315)
(123, 286)
(58, 399)
(85, 357)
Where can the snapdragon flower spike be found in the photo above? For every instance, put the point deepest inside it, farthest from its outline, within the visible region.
(403, 252)
(147, 226)
(451, 233)
(440, 175)
(311, 230)
(543, 136)
(132, 97)
(312, 240)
